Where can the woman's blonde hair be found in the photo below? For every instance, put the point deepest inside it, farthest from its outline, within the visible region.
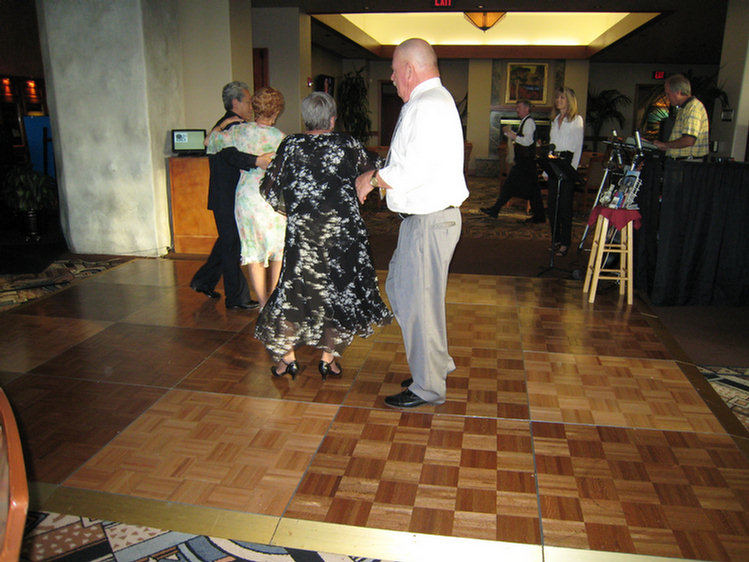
(267, 102)
(568, 93)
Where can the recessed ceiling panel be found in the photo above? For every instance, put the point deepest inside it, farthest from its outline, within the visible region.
(516, 28)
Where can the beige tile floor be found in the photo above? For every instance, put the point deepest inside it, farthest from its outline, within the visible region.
(571, 431)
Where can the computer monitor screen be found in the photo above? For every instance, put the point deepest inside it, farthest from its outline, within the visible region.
(188, 141)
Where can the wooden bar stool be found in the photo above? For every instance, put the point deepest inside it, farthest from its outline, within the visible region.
(607, 222)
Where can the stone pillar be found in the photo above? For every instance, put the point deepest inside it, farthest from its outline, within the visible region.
(113, 77)
(479, 103)
(733, 78)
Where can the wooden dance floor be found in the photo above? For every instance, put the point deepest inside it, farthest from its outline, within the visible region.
(570, 432)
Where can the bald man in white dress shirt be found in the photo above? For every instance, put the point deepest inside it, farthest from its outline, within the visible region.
(424, 182)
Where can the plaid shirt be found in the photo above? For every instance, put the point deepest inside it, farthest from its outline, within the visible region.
(691, 119)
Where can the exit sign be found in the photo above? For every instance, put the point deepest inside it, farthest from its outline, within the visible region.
(443, 3)
(659, 74)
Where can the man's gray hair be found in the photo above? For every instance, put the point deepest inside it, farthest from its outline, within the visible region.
(233, 91)
(680, 84)
(317, 109)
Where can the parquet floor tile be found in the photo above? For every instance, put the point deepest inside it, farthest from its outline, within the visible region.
(220, 451)
(540, 292)
(491, 327)
(592, 333)
(617, 391)
(158, 271)
(481, 289)
(136, 354)
(423, 473)
(64, 422)
(95, 301)
(28, 341)
(658, 493)
(186, 308)
(486, 382)
(242, 366)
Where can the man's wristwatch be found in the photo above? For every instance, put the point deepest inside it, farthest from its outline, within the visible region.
(373, 181)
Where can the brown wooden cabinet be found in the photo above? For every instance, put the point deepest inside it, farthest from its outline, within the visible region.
(193, 227)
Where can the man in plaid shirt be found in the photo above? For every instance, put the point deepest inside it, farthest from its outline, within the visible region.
(690, 136)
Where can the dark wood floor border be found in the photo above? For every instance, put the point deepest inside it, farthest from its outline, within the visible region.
(718, 407)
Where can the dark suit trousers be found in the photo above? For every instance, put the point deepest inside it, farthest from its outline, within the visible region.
(522, 181)
(224, 261)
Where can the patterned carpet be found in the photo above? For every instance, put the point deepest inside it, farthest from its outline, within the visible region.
(732, 385)
(19, 288)
(54, 537)
(483, 193)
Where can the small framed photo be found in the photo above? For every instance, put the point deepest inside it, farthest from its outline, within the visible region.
(527, 80)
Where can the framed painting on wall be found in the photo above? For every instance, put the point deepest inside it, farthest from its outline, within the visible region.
(527, 80)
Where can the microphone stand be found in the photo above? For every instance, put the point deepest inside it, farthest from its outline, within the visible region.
(563, 171)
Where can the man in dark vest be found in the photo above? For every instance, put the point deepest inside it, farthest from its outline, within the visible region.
(225, 169)
(522, 181)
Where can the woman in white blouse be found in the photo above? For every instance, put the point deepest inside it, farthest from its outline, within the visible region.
(567, 137)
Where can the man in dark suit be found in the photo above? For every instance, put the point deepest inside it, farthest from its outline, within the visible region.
(225, 169)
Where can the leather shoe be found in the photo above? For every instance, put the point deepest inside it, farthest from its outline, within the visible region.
(534, 220)
(210, 293)
(489, 211)
(249, 305)
(406, 383)
(405, 399)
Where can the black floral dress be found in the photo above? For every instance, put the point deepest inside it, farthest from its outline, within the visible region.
(328, 291)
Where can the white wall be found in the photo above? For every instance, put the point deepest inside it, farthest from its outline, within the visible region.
(325, 62)
(285, 33)
(205, 38)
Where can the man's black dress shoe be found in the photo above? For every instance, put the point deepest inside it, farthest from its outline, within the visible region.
(210, 293)
(405, 399)
(534, 220)
(489, 211)
(249, 305)
(406, 383)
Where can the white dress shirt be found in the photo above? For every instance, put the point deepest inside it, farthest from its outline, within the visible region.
(425, 162)
(529, 131)
(568, 137)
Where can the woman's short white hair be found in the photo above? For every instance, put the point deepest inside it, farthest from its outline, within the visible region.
(317, 110)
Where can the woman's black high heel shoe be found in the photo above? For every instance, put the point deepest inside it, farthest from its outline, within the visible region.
(291, 369)
(327, 371)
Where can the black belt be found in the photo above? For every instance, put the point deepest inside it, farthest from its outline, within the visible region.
(694, 158)
(406, 215)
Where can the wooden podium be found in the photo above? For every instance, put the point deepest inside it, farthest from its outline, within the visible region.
(193, 227)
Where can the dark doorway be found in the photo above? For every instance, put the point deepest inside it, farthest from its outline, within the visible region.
(259, 68)
(390, 107)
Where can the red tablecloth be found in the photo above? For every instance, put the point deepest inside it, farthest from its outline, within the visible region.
(618, 217)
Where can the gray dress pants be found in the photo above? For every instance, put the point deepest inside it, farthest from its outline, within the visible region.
(416, 285)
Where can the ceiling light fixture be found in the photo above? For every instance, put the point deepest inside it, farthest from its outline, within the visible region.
(484, 20)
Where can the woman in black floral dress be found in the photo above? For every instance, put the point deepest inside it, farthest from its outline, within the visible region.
(328, 291)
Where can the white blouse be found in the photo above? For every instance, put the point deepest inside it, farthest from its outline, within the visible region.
(567, 136)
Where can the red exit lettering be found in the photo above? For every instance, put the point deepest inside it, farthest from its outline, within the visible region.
(443, 3)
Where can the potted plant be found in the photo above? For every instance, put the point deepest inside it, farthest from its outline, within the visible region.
(353, 105)
(27, 193)
(604, 106)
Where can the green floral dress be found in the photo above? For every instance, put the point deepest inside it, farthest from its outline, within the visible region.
(261, 229)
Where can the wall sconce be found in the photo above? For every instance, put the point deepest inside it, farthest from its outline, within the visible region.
(6, 90)
(484, 20)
